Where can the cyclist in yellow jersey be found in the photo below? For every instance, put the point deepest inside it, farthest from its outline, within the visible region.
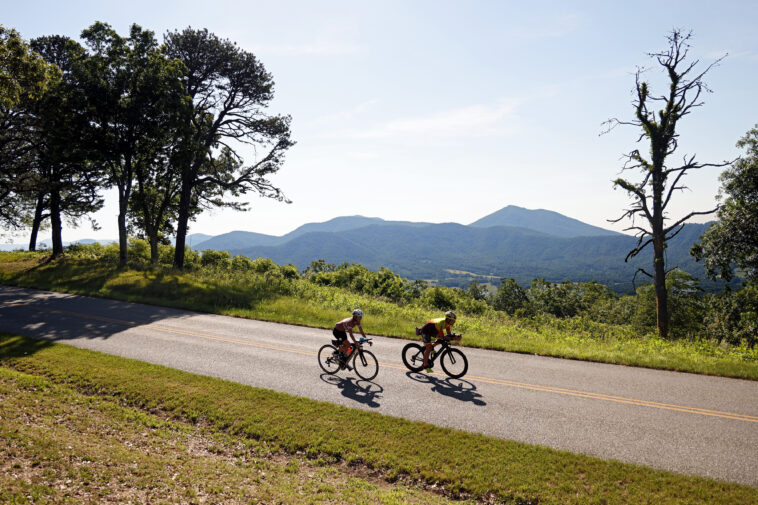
(439, 328)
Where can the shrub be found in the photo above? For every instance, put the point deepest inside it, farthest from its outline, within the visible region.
(217, 259)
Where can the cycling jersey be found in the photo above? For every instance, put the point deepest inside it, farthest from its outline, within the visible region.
(441, 326)
(348, 325)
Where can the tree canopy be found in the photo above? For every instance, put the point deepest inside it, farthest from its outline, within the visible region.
(733, 239)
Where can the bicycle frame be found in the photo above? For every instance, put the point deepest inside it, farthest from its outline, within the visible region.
(434, 354)
(358, 347)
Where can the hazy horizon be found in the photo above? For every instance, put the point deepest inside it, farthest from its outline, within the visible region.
(442, 111)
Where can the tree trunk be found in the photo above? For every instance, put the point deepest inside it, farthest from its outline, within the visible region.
(659, 279)
(37, 222)
(123, 202)
(185, 200)
(152, 237)
(55, 223)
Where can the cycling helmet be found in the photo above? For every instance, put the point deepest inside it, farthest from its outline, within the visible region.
(450, 315)
(358, 313)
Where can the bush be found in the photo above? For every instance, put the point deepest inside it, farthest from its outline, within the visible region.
(732, 317)
(217, 259)
(440, 297)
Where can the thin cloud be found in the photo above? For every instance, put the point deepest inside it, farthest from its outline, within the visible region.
(347, 115)
(471, 121)
(322, 49)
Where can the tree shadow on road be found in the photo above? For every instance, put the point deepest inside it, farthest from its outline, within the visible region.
(458, 389)
(59, 317)
(361, 391)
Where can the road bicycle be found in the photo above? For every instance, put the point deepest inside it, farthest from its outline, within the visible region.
(363, 362)
(454, 362)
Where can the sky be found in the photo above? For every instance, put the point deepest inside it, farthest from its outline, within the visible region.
(446, 111)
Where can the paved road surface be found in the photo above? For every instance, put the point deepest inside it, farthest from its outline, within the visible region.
(681, 422)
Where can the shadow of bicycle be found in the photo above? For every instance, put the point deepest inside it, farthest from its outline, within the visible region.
(361, 391)
(458, 389)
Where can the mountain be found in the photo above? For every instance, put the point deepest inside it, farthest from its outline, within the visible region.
(542, 220)
(243, 239)
(235, 240)
(440, 251)
(193, 239)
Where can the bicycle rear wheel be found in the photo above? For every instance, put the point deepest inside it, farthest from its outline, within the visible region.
(328, 359)
(454, 363)
(365, 364)
(413, 357)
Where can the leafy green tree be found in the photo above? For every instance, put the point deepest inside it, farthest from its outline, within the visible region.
(135, 92)
(476, 290)
(68, 180)
(24, 75)
(732, 316)
(652, 195)
(733, 239)
(230, 91)
(510, 297)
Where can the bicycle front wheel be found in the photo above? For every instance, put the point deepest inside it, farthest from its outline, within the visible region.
(366, 365)
(328, 359)
(413, 357)
(454, 363)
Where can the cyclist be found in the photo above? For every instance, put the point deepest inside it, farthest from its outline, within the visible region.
(438, 327)
(340, 332)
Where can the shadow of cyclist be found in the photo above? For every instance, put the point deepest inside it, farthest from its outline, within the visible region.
(361, 391)
(458, 389)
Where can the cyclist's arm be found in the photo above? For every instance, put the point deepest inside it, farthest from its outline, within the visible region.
(352, 337)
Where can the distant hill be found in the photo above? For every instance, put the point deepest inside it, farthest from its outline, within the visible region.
(241, 239)
(512, 242)
(433, 251)
(545, 221)
(193, 239)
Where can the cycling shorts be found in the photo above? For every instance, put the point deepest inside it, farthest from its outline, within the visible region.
(428, 332)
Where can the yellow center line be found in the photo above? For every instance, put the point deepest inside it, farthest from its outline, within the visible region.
(487, 380)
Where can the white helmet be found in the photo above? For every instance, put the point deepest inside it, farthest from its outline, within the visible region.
(358, 313)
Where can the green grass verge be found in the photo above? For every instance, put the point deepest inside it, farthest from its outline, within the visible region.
(58, 445)
(300, 302)
(460, 463)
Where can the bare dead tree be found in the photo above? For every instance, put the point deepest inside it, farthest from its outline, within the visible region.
(652, 195)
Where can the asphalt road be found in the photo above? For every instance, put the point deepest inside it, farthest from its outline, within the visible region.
(685, 423)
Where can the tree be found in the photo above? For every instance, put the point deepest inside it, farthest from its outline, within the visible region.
(24, 75)
(134, 90)
(66, 180)
(510, 297)
(230, 90)
(660, 181)
(733, 239)
(476, 290)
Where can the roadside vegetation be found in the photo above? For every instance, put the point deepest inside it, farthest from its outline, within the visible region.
(571, 320)
(78, 425)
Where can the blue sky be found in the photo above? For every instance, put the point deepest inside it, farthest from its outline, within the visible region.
(445, 111)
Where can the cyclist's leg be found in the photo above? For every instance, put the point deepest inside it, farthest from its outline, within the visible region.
(341, 336)
(427, 333)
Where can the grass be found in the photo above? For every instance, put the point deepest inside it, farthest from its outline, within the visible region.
(299, 302)
(79, 425)
(60, 445)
